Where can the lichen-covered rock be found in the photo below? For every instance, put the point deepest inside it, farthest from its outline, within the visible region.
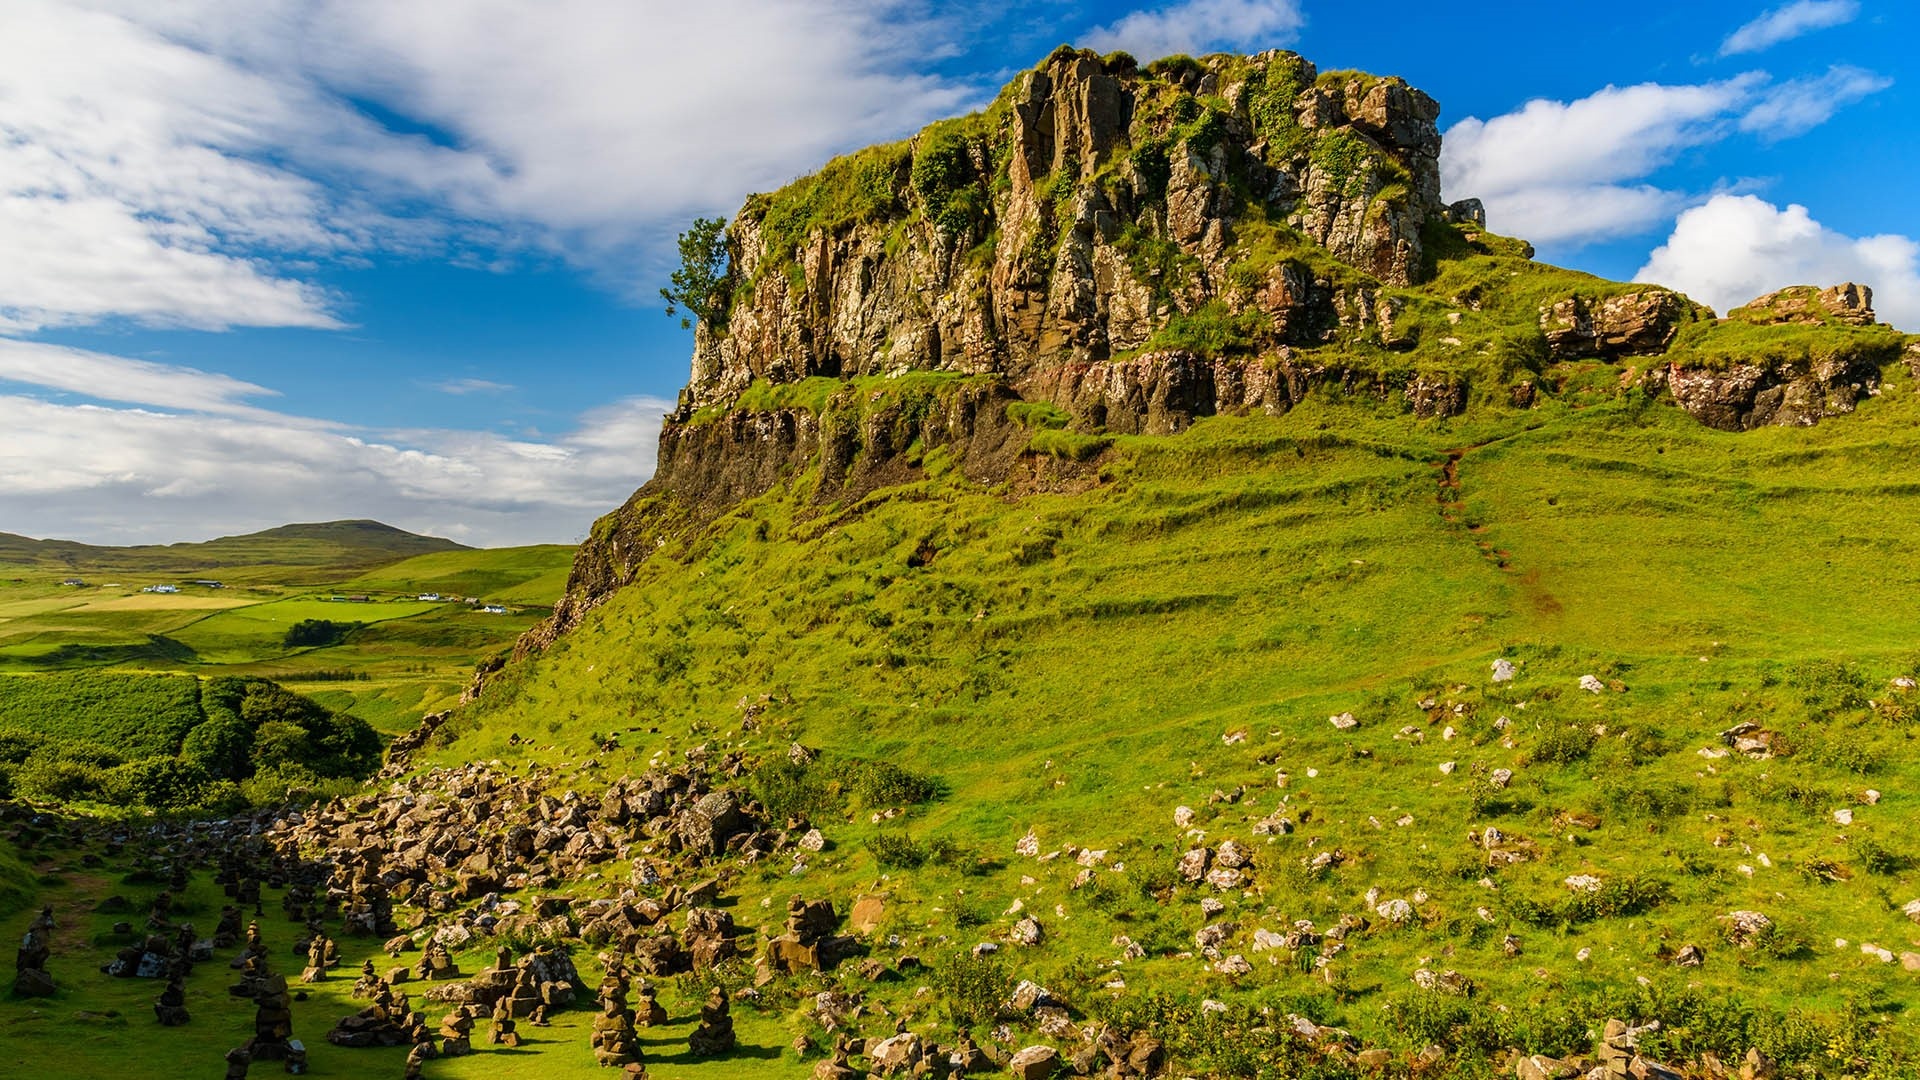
(1641, 323)
(1848, 303)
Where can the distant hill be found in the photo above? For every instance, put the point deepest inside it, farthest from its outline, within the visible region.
(357, 543)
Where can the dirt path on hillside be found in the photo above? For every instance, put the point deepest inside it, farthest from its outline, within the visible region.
(1452, 508)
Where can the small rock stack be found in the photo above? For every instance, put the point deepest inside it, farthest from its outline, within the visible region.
(714, 1036)
(809, 943)
(436, 963)
(456, 1032)
(171, 1009)
(30, 977)
(615, 1044)
(272, 1019)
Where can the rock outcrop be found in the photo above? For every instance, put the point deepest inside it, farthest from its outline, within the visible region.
(1639, 323)
(1094, 202)
(1827, 358)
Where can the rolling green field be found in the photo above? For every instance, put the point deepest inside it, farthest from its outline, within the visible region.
(405, 658)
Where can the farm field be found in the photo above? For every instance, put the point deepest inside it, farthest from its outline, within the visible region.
(399, 658)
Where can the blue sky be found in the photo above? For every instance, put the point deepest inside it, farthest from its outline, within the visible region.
(302, 259)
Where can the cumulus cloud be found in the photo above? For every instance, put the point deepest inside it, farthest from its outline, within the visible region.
(1556, 171)
(1798, 106)
(1736, 247)
(1201, 26)
(186, 163)
(1789, 22)
(130, 475)
(1573, 172)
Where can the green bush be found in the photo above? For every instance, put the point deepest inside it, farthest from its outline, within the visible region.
(880, 784)
(944, 178)
(169, 744)
(1211, 330)
(1562, 744)
(897, 851)
(972, 988)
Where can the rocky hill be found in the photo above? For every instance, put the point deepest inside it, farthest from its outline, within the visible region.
(1111, 249)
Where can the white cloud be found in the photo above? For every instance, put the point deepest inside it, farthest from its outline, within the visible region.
(1200, 26)
(1573, 172)
(1789, 22)
(462, 387)
(1798, 106)
(122, 475)
(1737, 247)
(117, 378)
(186, 163)
(1556, 171)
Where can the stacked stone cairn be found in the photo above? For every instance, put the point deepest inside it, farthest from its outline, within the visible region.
(809, 943)
(382, 1023)
(316, 970)
(272, 1020)
(456, 1031)
(171, 1009)
(30, 977)
(649, 1013)
(502, 1032)
(436, 963)
(714, 1036)
(615, 1044)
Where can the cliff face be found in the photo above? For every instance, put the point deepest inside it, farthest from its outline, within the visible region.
(1092, 204)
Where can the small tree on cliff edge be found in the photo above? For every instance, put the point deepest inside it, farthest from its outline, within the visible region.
(700, 285)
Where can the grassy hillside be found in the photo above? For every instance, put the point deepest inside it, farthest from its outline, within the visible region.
(320, 544)
(1082, 664)
(525, 575)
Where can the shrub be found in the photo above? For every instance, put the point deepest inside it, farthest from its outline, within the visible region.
(791, 790)
(882, 783)
(972, 988)
(1562, 744)
(1829, 684)
(943, 177)
(1644, 797)
(897, 851)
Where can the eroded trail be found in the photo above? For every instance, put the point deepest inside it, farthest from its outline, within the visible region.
(1453, 508)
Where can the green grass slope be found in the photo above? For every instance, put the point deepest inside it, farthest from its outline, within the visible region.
(1082, 664)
